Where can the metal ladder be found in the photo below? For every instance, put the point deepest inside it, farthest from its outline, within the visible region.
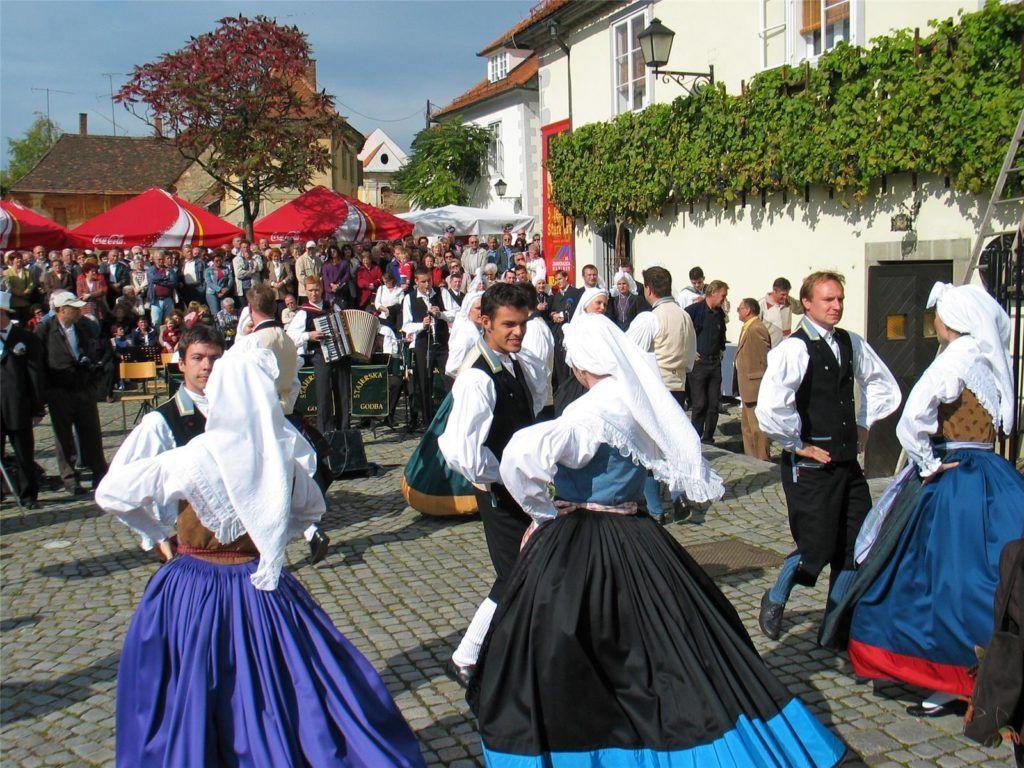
(1011, 164)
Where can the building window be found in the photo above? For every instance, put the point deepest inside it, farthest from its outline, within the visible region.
(632, 91)
(383, 158)
(824, 24)
(497, 67)
(495, 151)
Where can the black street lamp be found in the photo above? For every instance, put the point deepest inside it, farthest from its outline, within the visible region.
(656, 44)
(500, 187)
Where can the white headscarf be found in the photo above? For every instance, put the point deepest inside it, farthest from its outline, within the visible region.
(654, 431)
(464, 335)
(244, 464)
(620, 275)
(970, 310)
(588, 296)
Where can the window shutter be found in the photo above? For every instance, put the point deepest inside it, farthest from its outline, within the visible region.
(811, 16)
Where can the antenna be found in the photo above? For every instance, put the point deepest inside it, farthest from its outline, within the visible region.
(48, 91)
(110, 79)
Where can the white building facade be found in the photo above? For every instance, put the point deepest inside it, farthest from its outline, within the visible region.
(381, 158)
(506, 104)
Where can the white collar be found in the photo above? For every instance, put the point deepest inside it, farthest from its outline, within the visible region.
(822, 331)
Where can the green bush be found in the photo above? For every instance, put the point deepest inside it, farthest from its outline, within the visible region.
(859, 114)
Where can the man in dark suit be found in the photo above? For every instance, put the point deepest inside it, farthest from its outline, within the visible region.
(72, 362)
(560, 311)
(116, 273)
(21, 402)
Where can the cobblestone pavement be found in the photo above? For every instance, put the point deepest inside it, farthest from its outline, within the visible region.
(402, 588)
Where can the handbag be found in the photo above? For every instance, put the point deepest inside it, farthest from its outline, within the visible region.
(997, 703)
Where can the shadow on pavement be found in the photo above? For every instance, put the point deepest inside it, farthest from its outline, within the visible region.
(21, 699)
(99, 565)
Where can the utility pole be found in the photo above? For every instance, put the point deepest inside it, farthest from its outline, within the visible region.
(49, 123)
(110, 80)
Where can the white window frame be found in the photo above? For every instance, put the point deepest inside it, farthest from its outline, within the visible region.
(497, 67)
(801, 47)
(496, 149)
(627, 19)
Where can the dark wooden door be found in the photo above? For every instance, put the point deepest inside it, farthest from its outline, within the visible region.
(900, 329)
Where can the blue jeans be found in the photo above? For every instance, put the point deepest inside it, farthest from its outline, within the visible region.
(652, 495)
(160, 309)
(213, 302)
(839, 583)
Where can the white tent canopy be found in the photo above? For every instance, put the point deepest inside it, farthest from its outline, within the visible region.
(459, 220)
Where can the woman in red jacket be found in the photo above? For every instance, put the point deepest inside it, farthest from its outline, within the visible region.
(368, 279)
(91, 288)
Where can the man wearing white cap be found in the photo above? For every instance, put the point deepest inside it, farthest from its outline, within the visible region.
(73, 357)
(21, 402)
(307, 265)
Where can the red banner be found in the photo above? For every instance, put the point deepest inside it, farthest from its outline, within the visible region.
(559, 242)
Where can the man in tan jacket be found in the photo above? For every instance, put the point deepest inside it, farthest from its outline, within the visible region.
(751, 361)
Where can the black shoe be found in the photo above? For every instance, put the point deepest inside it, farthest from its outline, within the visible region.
(770, 617)
(958, 708)
(680, 511)
(708, 440)
(460, 674)
(318, 546)
(30, 503)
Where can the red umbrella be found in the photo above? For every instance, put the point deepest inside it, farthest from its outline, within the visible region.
(321, 212)
(155, 219)
(23, 229)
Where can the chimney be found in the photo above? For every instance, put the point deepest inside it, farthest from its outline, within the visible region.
(311, 73)
(83, 124)
(158, 127)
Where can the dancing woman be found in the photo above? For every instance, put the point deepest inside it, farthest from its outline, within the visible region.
(228, 661)
(429, 485)
(929, 552)
(611, 646)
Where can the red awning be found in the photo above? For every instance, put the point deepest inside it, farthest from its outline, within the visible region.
(154, 219)
(321, 212)
(23, 229)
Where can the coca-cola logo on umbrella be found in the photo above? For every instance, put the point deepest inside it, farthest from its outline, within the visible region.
(108, 240)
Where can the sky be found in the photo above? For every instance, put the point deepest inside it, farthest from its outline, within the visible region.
(381, 60)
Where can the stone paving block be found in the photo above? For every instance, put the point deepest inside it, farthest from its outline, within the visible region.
(391, 585)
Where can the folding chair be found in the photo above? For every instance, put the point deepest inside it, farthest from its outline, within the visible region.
(144, 373)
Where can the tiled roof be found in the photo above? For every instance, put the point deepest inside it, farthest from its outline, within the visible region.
(98, 164)
(485, 89)
(539, 12)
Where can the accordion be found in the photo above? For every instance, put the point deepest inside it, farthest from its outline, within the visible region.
(349, 333)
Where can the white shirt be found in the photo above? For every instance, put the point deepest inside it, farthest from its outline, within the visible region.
(390, 346)
(539, 342)
(474, 398)
(150, 438)
(689, 295)
(388, 297)
(409, 326)
(643, 329)
(532, 456)
(451, 307)
(961, 365)
(72, 337)
(244, 319)
(192, 271)
(787, 365)
(297, 331)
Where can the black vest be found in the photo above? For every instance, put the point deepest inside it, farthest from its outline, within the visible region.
(828, 416)
(418, 310)
(312, 313)
(513, 407)
(184, 426)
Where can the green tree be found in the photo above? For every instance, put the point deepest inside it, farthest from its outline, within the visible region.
(446, 161)
(25, 152)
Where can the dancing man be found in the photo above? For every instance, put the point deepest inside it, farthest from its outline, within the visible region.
(499, 394)
(806, 405)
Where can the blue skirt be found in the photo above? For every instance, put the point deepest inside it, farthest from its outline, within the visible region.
(929, 601)
(217, 673)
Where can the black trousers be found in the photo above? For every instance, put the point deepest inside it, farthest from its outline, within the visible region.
(423, 377)
(333, 406)
(505, 523)
(705, 385)
(75, 409)
(827, 505)
(23, 443)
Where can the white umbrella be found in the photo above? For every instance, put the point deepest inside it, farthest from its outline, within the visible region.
(460, 220)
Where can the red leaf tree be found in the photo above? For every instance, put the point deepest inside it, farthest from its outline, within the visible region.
(237, 102)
